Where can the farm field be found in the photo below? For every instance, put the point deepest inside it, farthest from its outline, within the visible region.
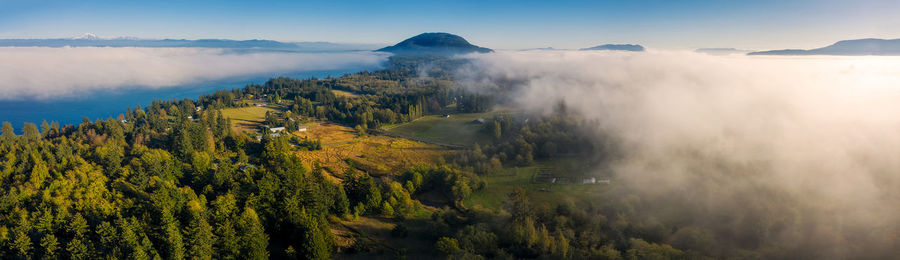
(247, 119)
(378, 154)
(342, 93)
(458, 129)
(502, 183)
(328, 133)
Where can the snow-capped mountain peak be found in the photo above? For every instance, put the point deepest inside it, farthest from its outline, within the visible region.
(87, 36)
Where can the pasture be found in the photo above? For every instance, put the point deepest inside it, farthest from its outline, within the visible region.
(502, 183)
(328, 133)
(377, 154)
(458, 129)
(248, 119)
(346, 94)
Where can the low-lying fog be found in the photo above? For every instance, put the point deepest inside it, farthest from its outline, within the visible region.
(794, 154)
(39, 72)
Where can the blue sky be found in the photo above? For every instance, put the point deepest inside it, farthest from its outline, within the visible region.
(759, 24)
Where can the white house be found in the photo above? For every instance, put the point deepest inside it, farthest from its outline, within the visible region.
(276, 129)
(301, 128)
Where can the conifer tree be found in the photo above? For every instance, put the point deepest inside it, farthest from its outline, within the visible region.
(253, 237)
(200, 238)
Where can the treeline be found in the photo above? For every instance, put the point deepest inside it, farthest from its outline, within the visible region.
(528, 230)
(519, 140)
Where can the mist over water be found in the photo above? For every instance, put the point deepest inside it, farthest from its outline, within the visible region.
(66, 84)
(46, 73)
(793, 157)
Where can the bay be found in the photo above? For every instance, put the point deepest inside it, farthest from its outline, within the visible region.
(103, 104)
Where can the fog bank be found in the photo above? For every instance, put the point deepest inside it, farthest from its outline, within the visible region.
(789, 156)
(38, 72)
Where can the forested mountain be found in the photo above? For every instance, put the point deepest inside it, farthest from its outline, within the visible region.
(846, 47)
(435, 43)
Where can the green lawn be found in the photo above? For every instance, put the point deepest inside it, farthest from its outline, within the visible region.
(458, 129)
(502, 183)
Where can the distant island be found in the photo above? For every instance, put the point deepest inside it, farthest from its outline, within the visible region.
(443, 43)
(616, 47)
(720, 51)
(90, 40)
(858, 47)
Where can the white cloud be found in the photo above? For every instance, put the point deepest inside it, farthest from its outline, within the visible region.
(801, 153)
(38, 72)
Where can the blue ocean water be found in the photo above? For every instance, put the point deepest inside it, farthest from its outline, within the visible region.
(110, 103)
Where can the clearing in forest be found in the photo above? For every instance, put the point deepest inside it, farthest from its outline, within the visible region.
(377, 155)
(457, 129)
(342, 93)
(328, 133)
(571, 190)
(371, 238)
(247, 119)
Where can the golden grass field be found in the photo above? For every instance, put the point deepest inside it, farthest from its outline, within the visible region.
(382, 154)
(386, 154)
(342, 93)
(247, 119)
(328, 133)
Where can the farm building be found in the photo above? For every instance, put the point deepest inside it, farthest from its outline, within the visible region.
(593, 180)
(260, 137)
(301, 128)
(276, 129)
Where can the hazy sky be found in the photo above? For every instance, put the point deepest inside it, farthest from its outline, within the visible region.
(761, 24)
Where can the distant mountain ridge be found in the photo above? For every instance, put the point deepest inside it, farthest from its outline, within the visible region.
(859, 47)
(616, 47)
(443, 43)
(90, 40)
